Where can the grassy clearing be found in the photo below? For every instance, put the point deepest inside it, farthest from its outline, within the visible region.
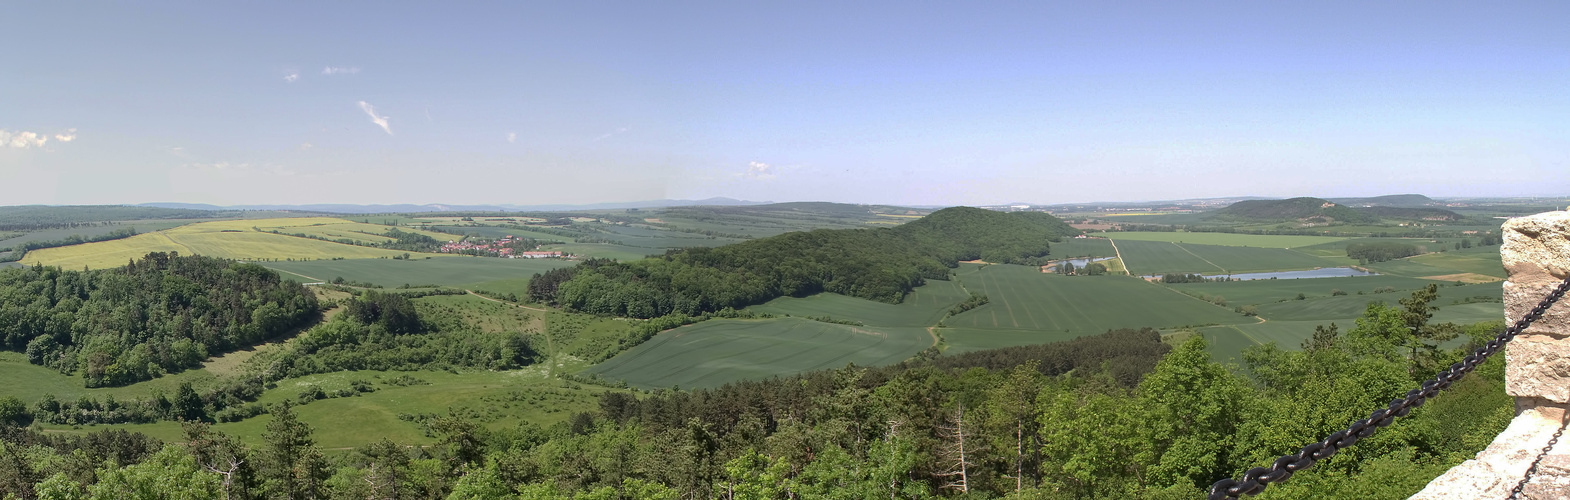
(451, 270)
(1225, 239)
(716, 352)
(922, 308)
(226, 239)
(1028, 307)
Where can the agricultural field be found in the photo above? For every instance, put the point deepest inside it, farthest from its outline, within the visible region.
(1267, 291)
(1083, 247)
(1352, 305)
(716, 352)
(1224, 239)
(1158, 257)
(449, 271)
(922, 308)
(227, 239)
(1022, 299)
(11, 239)
(337, 229)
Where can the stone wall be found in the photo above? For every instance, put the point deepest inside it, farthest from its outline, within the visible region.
(1536, 255)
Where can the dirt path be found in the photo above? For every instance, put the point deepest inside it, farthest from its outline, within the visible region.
(1207, 261)
(1126, 269)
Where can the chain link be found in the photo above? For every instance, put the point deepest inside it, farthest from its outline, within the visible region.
(1255, 480)
(1515, 493)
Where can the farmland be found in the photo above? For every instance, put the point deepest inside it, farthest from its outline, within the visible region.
(226, 239)
(1159, 257)
(1224, 239)
(715, 352)
(1022, 299)
(921, 308)
(453, 270)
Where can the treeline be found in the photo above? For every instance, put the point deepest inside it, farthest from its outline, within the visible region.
(877, 264)
(407, 241)
(163, 313)
(973, 301)
(38, 217)
(20, 250)
(1170, 279)
(1381, 251)
(1119, 415)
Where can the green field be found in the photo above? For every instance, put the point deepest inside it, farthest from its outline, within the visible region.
(1267, 291)
(1035, 307)
(1158, 257)
(1351, 306)
(1224, 239)
(922, 308)
(451, 270)
(716, 352)
(1083, 247)
(8, 240)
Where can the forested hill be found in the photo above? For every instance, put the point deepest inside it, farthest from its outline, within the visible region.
(1291, 209)
(1313, 209)
(879, 264)
(163, 313)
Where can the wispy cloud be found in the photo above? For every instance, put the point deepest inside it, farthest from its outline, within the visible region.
(379, 120)
(291, 77)
(23, 139)
(758, 170)
(512, 137)
(340, 70)
(609, 134)
(306, 145)
(240, 168)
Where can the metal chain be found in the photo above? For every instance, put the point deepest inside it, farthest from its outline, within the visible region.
(1515, 493)
(1255, 480)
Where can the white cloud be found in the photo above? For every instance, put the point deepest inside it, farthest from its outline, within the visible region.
(306, 145)
(340, 70)
(22, 139)
(512, 137)
(291, 77)
(759, 171)
(379, 120)
(609, 134)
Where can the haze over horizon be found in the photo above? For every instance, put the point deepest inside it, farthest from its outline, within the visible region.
(877, 103)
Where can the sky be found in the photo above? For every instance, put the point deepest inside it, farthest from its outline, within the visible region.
(907, 102)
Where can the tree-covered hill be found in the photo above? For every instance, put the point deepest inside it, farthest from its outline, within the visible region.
(1291, 209)
(163, 313)
(878, 264)
(1389, 200)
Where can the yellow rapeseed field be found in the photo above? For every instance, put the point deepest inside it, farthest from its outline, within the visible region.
(231, 239)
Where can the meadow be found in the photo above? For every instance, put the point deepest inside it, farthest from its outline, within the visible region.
(226, 239)
(715, 352)
(922, 308)
(336, 229)
(1082, 247)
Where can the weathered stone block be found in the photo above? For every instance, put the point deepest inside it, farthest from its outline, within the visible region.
(1538, 244)
(1538, 366)
(1522, 293)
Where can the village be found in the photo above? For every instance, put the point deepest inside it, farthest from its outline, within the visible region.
(508, 247)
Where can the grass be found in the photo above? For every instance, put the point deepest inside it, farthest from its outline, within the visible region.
(1084, 247)
(1157, 257)
(716, 352)
(922, 308)
(227, 239)
(1267, 291)
(335, 229)
(1225, 239)
(8, 240)
(1029, 307)
(1351, 306)
(451, 270)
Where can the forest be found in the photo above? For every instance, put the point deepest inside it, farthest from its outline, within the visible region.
(163, 313)
(880, 264)
(1118, 415)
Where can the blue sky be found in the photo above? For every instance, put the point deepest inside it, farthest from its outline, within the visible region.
(871, 102)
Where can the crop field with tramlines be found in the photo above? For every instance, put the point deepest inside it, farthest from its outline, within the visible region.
(226, 239)
(452, 270)
(1022, 299)
(715, 352)
(1161, 257)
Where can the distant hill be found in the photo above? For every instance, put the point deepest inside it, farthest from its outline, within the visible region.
(32, 217)
(1292, 209)
(1322, 210)
(1389, 200)
(334, 208)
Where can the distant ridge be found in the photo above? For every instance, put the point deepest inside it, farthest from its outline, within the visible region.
(438, 207)
(1322, 210)
(1389, 200)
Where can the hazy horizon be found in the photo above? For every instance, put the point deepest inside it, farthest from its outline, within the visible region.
(877, 103)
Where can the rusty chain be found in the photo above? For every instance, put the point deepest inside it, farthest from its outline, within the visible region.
(1255, 480)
